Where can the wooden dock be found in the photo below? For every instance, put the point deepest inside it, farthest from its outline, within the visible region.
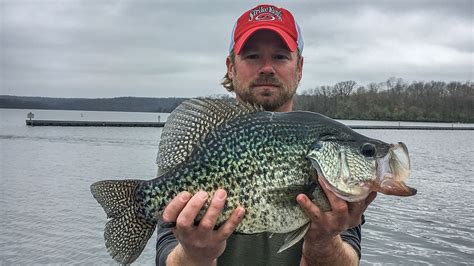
(61, 123)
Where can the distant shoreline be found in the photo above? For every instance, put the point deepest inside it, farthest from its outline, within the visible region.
(124, 111)
(167, 105)
(119, 104)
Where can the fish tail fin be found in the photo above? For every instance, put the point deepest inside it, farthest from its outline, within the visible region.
(127, 230)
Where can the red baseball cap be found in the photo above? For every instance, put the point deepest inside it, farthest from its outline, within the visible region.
(268, 17)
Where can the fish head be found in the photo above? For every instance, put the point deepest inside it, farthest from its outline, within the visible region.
(352, 167)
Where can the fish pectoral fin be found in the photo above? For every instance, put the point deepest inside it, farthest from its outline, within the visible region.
(285, 195)
(293, 237)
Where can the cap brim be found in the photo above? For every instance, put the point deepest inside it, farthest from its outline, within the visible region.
(287, 39)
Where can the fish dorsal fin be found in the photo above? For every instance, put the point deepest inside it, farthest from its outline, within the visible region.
(191, 121)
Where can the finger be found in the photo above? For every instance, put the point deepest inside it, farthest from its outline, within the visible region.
(231, 224)
(356, 208)
(337, 204)
(191, 210)
(370, 198)
(361, 206)
(175, 206)
(213, 211)
(311, 210)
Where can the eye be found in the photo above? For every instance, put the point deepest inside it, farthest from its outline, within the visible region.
(281, 57)
(252, 56)
(368, 150)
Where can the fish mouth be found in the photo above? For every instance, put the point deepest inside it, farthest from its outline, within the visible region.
(340, 184)
(392, 171)
(387, 175)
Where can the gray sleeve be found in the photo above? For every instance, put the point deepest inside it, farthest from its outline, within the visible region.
(353, 237)
(165, 243)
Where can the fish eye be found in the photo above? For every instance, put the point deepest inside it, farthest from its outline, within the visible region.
(368, 150)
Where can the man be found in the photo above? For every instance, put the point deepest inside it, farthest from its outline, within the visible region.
(264, 67)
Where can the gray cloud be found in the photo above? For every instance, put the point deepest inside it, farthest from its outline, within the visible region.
(164, 49)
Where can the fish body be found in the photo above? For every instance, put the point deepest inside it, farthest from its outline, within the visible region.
(262, 159)
(256, 159)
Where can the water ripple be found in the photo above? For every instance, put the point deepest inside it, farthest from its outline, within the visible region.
(48, 215)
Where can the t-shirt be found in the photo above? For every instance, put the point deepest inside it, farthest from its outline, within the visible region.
(254, 249)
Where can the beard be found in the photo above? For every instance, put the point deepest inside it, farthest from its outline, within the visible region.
(270, 99)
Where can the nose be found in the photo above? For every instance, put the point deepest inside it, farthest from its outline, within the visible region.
(267, 67)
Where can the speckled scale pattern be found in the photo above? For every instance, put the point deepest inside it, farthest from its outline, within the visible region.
(189, 122)
(255, 158)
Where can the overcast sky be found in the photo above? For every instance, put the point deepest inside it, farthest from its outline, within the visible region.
(102, 48)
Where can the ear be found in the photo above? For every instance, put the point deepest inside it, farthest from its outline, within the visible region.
(300, 68)
(230, 67)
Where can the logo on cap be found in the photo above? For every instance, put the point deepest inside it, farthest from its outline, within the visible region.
(265, 13)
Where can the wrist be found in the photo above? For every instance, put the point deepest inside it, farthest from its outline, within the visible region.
(178, 256)
(333, 251)
(322, 248)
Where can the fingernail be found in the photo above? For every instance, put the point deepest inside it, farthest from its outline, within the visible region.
(202, 195)
(220, 194)
(240, 213)
(301, 198)
(185, 196)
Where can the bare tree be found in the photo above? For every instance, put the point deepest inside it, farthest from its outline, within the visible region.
(344, 88)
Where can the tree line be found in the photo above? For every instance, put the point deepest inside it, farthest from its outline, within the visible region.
(394, 99)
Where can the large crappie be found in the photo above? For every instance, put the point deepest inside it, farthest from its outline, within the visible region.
(262, 159)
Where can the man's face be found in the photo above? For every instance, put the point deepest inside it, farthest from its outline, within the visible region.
(266, 72)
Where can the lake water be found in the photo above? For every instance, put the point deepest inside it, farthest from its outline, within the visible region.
(48, 215)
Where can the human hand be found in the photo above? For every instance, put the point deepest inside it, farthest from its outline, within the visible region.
(325, 226)
(200, 244)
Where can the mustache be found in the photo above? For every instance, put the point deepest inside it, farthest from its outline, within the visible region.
(266, 81)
